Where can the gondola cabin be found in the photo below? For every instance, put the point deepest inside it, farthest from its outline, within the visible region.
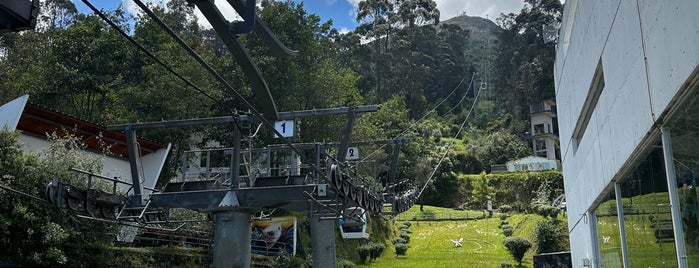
(353, 224)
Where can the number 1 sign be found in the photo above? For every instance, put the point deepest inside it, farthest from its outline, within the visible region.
(286, 128)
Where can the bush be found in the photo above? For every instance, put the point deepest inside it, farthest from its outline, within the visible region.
(405, 237)
(507, 230)
(401, 249)
(376, 249)
(503, 216)
(506, 265)
(503, 223)
(398, 240)
(342, 263)
(505, 209)
(547, 236)
(364, 252)
(407, 223)
(517, 247)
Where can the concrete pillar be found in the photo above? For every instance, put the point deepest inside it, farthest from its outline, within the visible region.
(232, 234)
(323, 242)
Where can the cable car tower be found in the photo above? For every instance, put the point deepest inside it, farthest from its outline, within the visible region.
(327, 191)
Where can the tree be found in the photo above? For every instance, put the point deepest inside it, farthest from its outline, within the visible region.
(500, 147)
(525, 60)
(32, 233)
(517, 247)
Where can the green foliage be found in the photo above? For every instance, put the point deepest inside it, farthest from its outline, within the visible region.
(519, 189)
(376, 249)
(401, 249)
(34, 234)
(507, 230)
(550, 236)
(399, 240)
(504, 209)
(364, 251)
(343, 263)
(517, 247)
(371, 250)
(500, 147)
(405, 236)
(482, 191)
(507, 265)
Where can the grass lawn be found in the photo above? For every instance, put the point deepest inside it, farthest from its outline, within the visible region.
(431, 246)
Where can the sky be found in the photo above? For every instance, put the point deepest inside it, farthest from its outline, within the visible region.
(343, 12)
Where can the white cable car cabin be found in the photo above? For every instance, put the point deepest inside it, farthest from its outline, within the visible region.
(353, 223)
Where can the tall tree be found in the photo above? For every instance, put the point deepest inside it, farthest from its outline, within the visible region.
(526, 58)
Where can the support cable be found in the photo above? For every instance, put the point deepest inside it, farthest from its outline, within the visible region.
(22, 193)
(147, 52)
(428, 113)
(451, 144)
(201, 61)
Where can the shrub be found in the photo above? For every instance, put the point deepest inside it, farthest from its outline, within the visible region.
(505, 209)
(517, 247)
(405, 237)
(407, 223)
(399, 240)
(506, 265)
(507, 230)
(547, 236)
(401, 249)
(342, 263)
(364, 252)
(503, 216)
(503, 223)
(376, 250)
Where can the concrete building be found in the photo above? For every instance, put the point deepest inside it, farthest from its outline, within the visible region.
(626, 77)
(544, 128)
(35, 122)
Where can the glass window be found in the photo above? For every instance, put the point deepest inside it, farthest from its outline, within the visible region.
(684, 135)
(647, 216)
(608, 233)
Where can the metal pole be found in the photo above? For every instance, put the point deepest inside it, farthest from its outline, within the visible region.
(235, 169)
(622, 229)
(135, 163)
(674, 199)
(323, 242)
(232, 236)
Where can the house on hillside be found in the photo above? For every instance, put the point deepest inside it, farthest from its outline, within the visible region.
(35, 122)
(544, 128)
(627, 83)
(532, 163)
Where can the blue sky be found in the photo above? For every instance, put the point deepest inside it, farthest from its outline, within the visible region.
(343, 12)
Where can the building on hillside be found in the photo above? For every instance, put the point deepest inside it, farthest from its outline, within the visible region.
(532, 163)
(627, 78)
(35, 122)
(544, 128)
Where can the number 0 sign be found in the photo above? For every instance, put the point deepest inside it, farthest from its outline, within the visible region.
(286, 128)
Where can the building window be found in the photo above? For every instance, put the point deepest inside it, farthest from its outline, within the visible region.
(608, 237)
(588, 108)
(684, 132)
(647, 214)
(539, 129)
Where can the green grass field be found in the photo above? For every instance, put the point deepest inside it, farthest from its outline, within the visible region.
(431, 246)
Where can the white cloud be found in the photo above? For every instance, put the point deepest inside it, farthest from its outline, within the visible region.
(344, 30)
(354, 3)
(226, 10)
(490, 9)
